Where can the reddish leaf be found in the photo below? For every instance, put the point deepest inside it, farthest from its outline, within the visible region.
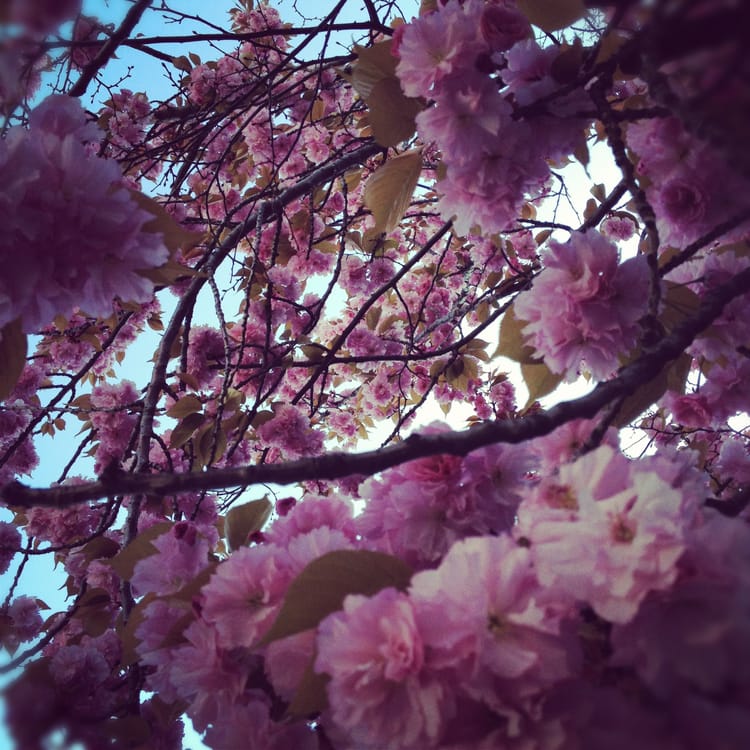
(12, 356)
(243, 520)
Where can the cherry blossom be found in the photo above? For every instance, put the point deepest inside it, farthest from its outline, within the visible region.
(380, 694)
(584, 272)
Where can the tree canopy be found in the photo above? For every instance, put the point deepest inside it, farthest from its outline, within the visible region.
(247, 258)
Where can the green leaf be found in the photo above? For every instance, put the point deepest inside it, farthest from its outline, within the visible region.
(12, 356)
(186, 405)
(94, 611)
(392, 113)
(373, 64)
(209, 444)
(512, 342)
(185, 430)
(389, 189)
(679, 302)
(310, 697)
(243, 520)
(175, 237)
(672, 377)
(540, 381)
(322, 586)
(552, 15)
(124, 562)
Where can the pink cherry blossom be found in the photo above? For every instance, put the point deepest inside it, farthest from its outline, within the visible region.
(64, 525)
(81, 230)
(502, 25)
(245, 593)
(439, 44)
(618, 534)
(181, 554)
(205, 675)
(10, 543)
(380, 695)
(289, 430)
(480, 622)
(580, 310)
(26, 622)
(618, 228)
(468, 118)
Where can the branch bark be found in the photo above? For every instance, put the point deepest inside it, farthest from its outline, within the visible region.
(338, 465)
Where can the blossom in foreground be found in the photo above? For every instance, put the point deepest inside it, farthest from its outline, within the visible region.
(73, 235)
(380, 696)
(607, 531)
(581, 309)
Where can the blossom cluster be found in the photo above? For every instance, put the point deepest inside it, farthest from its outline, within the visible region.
(477, 63)
(507, 632)
(547, 592)
(82, 234)
(581, 307)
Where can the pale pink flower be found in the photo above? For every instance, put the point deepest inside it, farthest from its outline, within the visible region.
(584, 307)
(181, 554)
(439, 44)
(467, 119)
(689, 410)
(304, 548)
(64, 525)
(527, 74)
(727, 388)
(734, 461)
(480, 622)
(380, 695)
(82, 232)
(313, 512)
(617, 533)
(660, 143)
(25, 618)
(618, 228)
(245, 593)
(290, 431)
(113, 420)
(417, 512)
(206, 354)
(566, 442)
(287, 659)
(206, 676)
(502, 25)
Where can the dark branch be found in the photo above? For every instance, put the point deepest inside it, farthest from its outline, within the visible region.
(338, 465)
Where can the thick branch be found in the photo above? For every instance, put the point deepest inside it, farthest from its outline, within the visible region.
(337, 465)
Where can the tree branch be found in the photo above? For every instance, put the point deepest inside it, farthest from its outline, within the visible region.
(109, 47)
(338, 465)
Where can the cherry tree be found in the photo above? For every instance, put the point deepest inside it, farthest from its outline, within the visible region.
(327, 226)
